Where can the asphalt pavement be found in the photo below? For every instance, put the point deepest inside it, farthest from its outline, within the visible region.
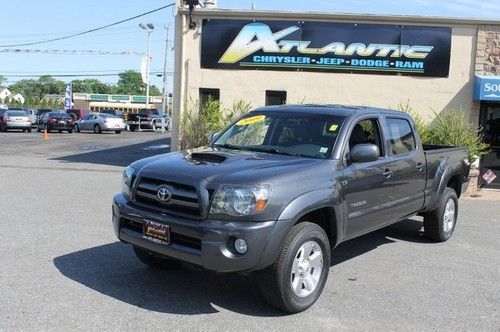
(62, 267)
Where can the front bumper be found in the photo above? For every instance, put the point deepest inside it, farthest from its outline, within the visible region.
(206, 243)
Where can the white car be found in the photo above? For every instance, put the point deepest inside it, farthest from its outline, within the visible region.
(99, 123)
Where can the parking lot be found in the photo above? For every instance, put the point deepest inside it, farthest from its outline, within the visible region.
(62, 267)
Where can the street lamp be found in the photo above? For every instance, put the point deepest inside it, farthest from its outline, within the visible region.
(149, 27)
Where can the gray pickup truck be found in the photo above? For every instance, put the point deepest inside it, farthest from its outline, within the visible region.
(281, 187)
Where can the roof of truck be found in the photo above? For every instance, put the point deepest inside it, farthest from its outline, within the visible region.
(325, 109)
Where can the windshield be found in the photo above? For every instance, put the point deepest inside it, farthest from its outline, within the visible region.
(296, 134)
(17, 113)
(59, 115)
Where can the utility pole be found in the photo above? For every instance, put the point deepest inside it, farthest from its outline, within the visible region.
(149, 29)
(164, 104)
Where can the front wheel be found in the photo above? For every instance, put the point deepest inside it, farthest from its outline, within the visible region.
(97, 129)
(29, 130)
(296, 279)
(155, 261)
(76, 128)
(118, 131)
(439, 224)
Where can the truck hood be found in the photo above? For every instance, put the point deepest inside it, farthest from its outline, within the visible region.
(221, 166)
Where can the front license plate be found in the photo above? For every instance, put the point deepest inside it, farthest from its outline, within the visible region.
(156, 232)
(61, 122)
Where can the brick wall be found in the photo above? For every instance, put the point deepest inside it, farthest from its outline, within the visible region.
(488, 50)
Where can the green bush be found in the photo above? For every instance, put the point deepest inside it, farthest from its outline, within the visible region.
(198, 122)
(450, 128)
(453, 128)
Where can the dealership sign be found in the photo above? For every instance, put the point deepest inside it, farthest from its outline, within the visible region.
(487, 88)
(325, 46)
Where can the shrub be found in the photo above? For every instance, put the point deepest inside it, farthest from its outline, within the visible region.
(198, 122)
(453, 128)
(422, 126)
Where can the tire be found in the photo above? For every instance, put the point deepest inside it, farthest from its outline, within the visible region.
(118, 131)
(38, 129)
(156, 261)
(59, 131)
(76, 128)
(133, 128)
(276, 282)
(440, 223)
(97, 129)
(28, 130)
(70, 131)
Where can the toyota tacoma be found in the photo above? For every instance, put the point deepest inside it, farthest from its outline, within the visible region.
(277, 190)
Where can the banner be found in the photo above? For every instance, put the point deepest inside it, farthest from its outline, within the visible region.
(68, 97)
(326, 46)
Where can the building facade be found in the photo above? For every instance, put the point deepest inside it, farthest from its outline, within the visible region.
(270, 57)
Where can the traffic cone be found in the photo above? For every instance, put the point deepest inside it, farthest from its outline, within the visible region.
(45, 134)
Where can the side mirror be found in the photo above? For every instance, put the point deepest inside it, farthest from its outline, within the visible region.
(212, 137)
(363, 153)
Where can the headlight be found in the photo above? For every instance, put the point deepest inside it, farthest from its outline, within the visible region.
(240, 200)
(127, 179)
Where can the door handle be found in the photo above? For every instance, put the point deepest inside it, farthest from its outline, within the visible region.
(420, 167)
(387, 173)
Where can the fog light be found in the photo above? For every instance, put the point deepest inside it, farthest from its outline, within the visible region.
(240, 246)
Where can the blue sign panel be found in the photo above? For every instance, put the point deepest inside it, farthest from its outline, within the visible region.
(487, 88)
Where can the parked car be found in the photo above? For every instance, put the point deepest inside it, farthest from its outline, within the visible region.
(41, 111)
(55, 121)
(15, 120)
(148, 119)
(99, 123)
(281, 187)
(117, 113)
(77, 114)
(32, 114)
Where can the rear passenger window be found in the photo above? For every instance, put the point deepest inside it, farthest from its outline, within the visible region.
(401, 136)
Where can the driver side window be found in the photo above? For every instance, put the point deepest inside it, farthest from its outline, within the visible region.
(366, 132)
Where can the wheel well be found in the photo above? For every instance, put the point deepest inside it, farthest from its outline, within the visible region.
(455, 184)
(325, 218)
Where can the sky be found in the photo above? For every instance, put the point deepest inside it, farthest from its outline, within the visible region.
(34, 20)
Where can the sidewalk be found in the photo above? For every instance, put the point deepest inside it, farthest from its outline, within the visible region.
(485, 195)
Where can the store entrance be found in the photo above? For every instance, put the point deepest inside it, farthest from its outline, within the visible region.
(490, 121)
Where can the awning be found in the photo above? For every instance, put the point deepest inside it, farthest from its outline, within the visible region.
(487, 88)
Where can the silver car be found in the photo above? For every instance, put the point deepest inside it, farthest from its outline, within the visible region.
(15, 120)
(99, 123)
(32, 114)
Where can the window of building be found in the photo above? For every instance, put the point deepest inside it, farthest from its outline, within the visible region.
(275, 97)
(401, 136)
(208, 94)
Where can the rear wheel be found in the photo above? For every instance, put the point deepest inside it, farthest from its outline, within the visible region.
(156, 261)
(28, 130)
(97, 129)
(38, 129)
(296, 279)
(118, 131)
(439, 224)
(133, 128)
(59, 131)
(70, 131)
(77, 128)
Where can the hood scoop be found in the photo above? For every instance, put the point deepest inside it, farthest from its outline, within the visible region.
(201, 157)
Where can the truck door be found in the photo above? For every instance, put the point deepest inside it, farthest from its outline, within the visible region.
(409, 167)
(366, 187)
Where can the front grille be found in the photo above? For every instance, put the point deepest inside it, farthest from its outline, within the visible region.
(184, 200)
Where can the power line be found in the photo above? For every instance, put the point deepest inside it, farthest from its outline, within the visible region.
(89, 31)
(82, 75)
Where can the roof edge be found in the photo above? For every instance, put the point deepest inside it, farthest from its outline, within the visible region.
(319, 15)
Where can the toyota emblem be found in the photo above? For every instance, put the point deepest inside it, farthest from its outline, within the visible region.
(164, 194)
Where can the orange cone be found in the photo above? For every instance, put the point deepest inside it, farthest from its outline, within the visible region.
(45, 134)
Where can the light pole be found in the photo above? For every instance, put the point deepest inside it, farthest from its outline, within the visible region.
(164, 104)
(149, 27)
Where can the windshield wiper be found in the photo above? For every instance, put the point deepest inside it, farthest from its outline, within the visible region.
(277, 151)
(228, 146)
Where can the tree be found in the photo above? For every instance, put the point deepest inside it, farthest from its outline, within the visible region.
(36, 89)
(3, 79)
(91, 85)
(130, 83)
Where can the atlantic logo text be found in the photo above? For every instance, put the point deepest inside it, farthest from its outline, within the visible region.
(255, 37)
